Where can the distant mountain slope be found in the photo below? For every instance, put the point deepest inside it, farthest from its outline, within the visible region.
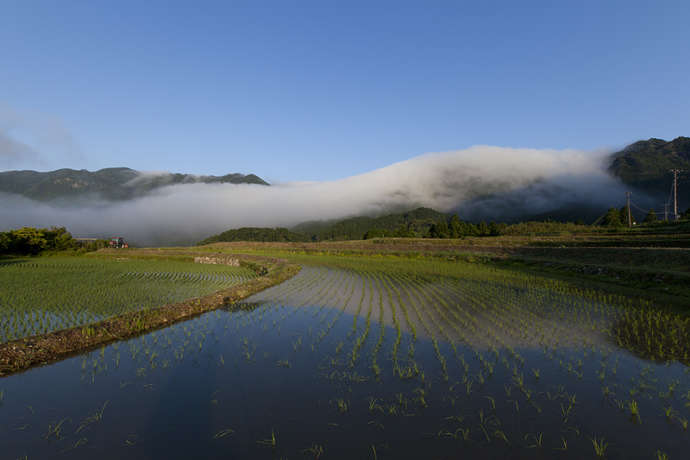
(417, 221)
(645, 165)
(255, 234)
(109, 183)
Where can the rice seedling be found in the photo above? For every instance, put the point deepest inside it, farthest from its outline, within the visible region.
(374, 406)
(600, 447)
(314, 450)
(55, 429)
(634, 411)
(668, 412)
(269, 442)
(224, 433)
(95, 417)
(538, 440)
(564, 444)
(342, 405)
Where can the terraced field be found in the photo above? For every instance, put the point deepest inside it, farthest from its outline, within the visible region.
(376, 357)
(49, 294)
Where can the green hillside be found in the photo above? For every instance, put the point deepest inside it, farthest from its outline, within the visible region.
(255, 234)
(415, 222)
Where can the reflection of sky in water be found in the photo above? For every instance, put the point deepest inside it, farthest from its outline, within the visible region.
(215, 386)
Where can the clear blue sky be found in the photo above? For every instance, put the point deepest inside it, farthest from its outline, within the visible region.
(326, 89)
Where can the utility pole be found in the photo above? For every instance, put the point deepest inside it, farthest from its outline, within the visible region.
(665, 211)
(675, 192)
(627, 196)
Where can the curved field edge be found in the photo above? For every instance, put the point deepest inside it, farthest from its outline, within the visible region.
(22, 354)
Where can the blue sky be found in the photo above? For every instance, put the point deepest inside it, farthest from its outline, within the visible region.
(323, 90)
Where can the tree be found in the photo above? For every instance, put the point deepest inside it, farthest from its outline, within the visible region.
(612, 218)
(623, 213)
(494, 229)
(483, 229)
(442, 229)
(4, 243)
(686, 214)
(650, 218)
(27, 240)
(374, 233)
(439, 230)
(470, 229)
(455, 227)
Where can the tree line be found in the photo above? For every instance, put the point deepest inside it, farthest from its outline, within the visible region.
(454, 227)
(33, 241)
(615, 217)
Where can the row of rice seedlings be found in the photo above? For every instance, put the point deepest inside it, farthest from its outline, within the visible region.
(349, 289)
(359, 305)
(304, 281)
(382, 329)
(435, 301)
(396, 322)
(359, 341)
(419, 296)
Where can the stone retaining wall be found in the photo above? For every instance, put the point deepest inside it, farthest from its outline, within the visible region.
(217, 260)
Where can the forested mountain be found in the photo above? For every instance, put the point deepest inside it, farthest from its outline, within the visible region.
(646, 165)
(109, 183)
(255, 234)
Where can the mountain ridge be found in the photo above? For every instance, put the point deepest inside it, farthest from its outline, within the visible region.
(646, 164)
(113, 184)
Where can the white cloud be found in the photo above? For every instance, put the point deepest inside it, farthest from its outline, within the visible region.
(476, 178)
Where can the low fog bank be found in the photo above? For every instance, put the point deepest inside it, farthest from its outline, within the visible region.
(482, 182)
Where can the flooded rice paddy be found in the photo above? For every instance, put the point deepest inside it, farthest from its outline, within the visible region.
(42, 295)
(345, 363)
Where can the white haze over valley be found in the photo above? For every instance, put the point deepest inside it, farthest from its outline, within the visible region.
(481, 181)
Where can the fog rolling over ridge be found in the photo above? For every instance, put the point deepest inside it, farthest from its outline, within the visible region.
(480, 182)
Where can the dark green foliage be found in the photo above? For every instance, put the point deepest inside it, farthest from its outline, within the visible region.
(612, 218)
(543, 228)
(427, 223)
(623, 215)
(415, 223)
(108, 183)
(482, 229)
(256, 234)
(650, 218)
(32, 241)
